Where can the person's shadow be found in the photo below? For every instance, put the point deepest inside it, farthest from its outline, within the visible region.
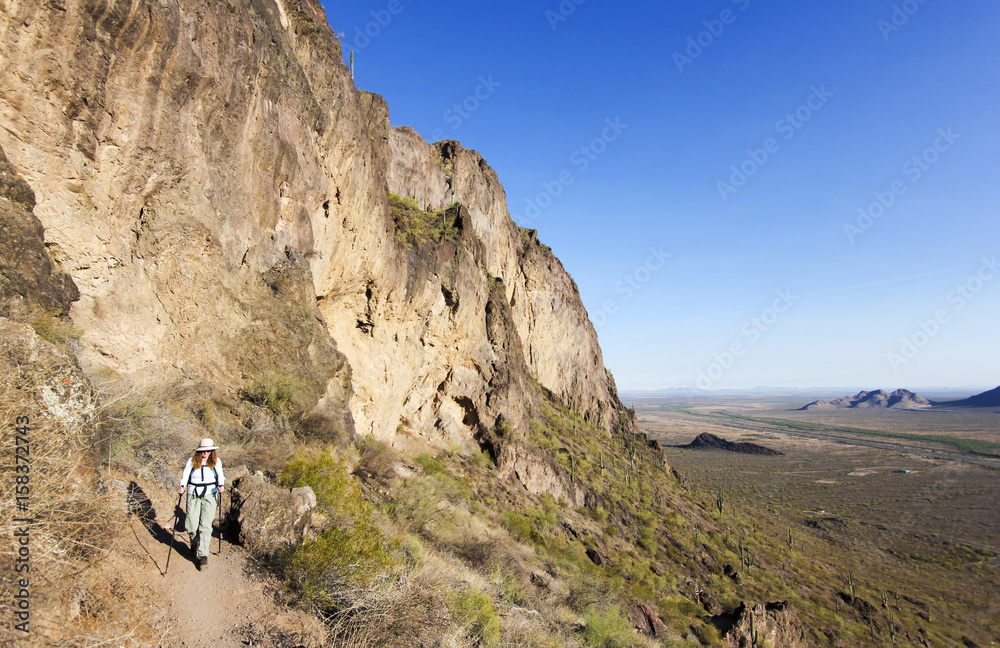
(140, 506)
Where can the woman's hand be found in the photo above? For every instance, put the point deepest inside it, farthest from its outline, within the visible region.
(180, 489)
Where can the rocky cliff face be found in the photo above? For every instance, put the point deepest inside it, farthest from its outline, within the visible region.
(216, 188)
(31, 285)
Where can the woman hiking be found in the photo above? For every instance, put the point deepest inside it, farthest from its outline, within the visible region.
(204, 480)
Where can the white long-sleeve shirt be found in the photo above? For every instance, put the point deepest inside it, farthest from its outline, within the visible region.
(200, 481)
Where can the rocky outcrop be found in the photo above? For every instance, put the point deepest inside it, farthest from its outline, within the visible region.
(31, 282)
(767, 624)
(33, 365)
(899, 399)
(645, 619)
(216, 187)
(269, 518)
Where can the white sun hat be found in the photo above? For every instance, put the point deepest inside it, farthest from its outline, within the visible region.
(206, 444)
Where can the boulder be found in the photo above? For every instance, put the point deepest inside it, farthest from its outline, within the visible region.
(60, 389)
(268, 517)
(598, 559)
(646, 620)
(774, 624)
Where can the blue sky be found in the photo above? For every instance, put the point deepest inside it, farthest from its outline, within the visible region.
(746, 193)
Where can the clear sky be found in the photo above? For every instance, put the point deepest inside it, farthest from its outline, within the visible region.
(747, 193)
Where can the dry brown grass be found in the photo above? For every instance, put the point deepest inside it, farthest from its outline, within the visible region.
(405, 609)
(73, 598)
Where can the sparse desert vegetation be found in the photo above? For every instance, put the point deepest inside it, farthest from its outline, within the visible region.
(911, 531)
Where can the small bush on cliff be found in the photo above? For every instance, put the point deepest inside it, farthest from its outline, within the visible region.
(533, 525)
(275, 391)
(55, 328)
(416, 227)
(430, 464)
(351, 550)
(377, 461)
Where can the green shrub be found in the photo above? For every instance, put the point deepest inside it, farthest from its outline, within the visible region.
(276, 392)
(708, 635)
(318, 570)
(481, 459)
(607, 629)
(511, 589)
(522, 526)
(598, 514)
(320, 472)
(351, 550)
(478, 613)
(417, 501)
(533, 525)
(431, 465)
(126, 425)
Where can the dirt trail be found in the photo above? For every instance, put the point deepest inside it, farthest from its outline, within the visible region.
(225, 606)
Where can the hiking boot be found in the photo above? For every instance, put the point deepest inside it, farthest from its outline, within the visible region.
(203, 563)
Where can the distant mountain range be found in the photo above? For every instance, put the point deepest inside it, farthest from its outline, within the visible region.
(899, 399)
(903, 399)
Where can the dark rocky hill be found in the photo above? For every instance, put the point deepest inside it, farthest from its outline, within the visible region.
(989, 398)
(706, 441)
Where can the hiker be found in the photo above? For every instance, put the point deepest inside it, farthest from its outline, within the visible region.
(205, 481)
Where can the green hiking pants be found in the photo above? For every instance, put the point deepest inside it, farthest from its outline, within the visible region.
(198, 522)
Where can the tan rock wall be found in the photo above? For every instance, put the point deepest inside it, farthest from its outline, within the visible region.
(187, 156)
(560, 344)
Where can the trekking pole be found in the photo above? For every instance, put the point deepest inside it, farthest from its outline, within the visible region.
(173, 530)
(219, 494)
